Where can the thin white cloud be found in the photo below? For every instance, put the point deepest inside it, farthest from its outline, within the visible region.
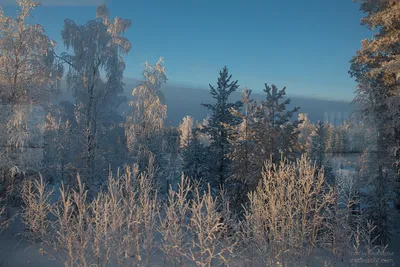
(61, 2)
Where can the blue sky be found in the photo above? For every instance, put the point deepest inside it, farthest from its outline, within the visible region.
(303, 45)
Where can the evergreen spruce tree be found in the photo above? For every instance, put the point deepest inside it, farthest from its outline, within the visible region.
(243, 141)
(357, 138)
(377, 209)
(171, 164)
(288, 141)
(277, 135)
(217, 126)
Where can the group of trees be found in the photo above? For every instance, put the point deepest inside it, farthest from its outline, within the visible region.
(225, 152)
(241, 136)
(350, 137)
(86, 135)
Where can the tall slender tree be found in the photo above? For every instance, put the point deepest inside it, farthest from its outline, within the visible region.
(95, 72)
(243, 141)
(242, 137)
(278, 136)
(144, 126)
(220, 118)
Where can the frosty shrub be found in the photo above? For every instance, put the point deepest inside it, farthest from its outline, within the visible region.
(173, 221)
(115, 227)
(120, 225)
(208, 231)
(292, 217)
(37, 206)
(194, 230)
(285, 214)
(11, 186)
(295, 215)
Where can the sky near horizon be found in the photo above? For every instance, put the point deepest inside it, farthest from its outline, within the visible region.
(303, 45)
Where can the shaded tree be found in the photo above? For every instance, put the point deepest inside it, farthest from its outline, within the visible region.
(242, 138)
(197, 160)
(277, 135)
(95, 72)
(220, 118)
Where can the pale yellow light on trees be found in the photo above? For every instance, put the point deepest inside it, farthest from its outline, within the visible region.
(148, 112)
(186, 131)
(29, 76)
(306, 128)
(28, 73)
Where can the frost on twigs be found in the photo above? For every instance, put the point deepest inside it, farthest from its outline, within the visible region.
(146, 121)
(95, 73)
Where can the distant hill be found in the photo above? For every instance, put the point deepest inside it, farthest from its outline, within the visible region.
(185, 100)
(182, 101)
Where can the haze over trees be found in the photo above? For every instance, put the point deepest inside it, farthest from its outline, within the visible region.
(255, 183)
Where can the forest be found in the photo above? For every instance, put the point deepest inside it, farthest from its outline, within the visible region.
(254, 183)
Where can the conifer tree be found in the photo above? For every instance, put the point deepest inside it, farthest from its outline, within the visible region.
(220, 118)
(337, 141)
(277, 135)
(243, 141)
(288, 141)
(58, 135)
